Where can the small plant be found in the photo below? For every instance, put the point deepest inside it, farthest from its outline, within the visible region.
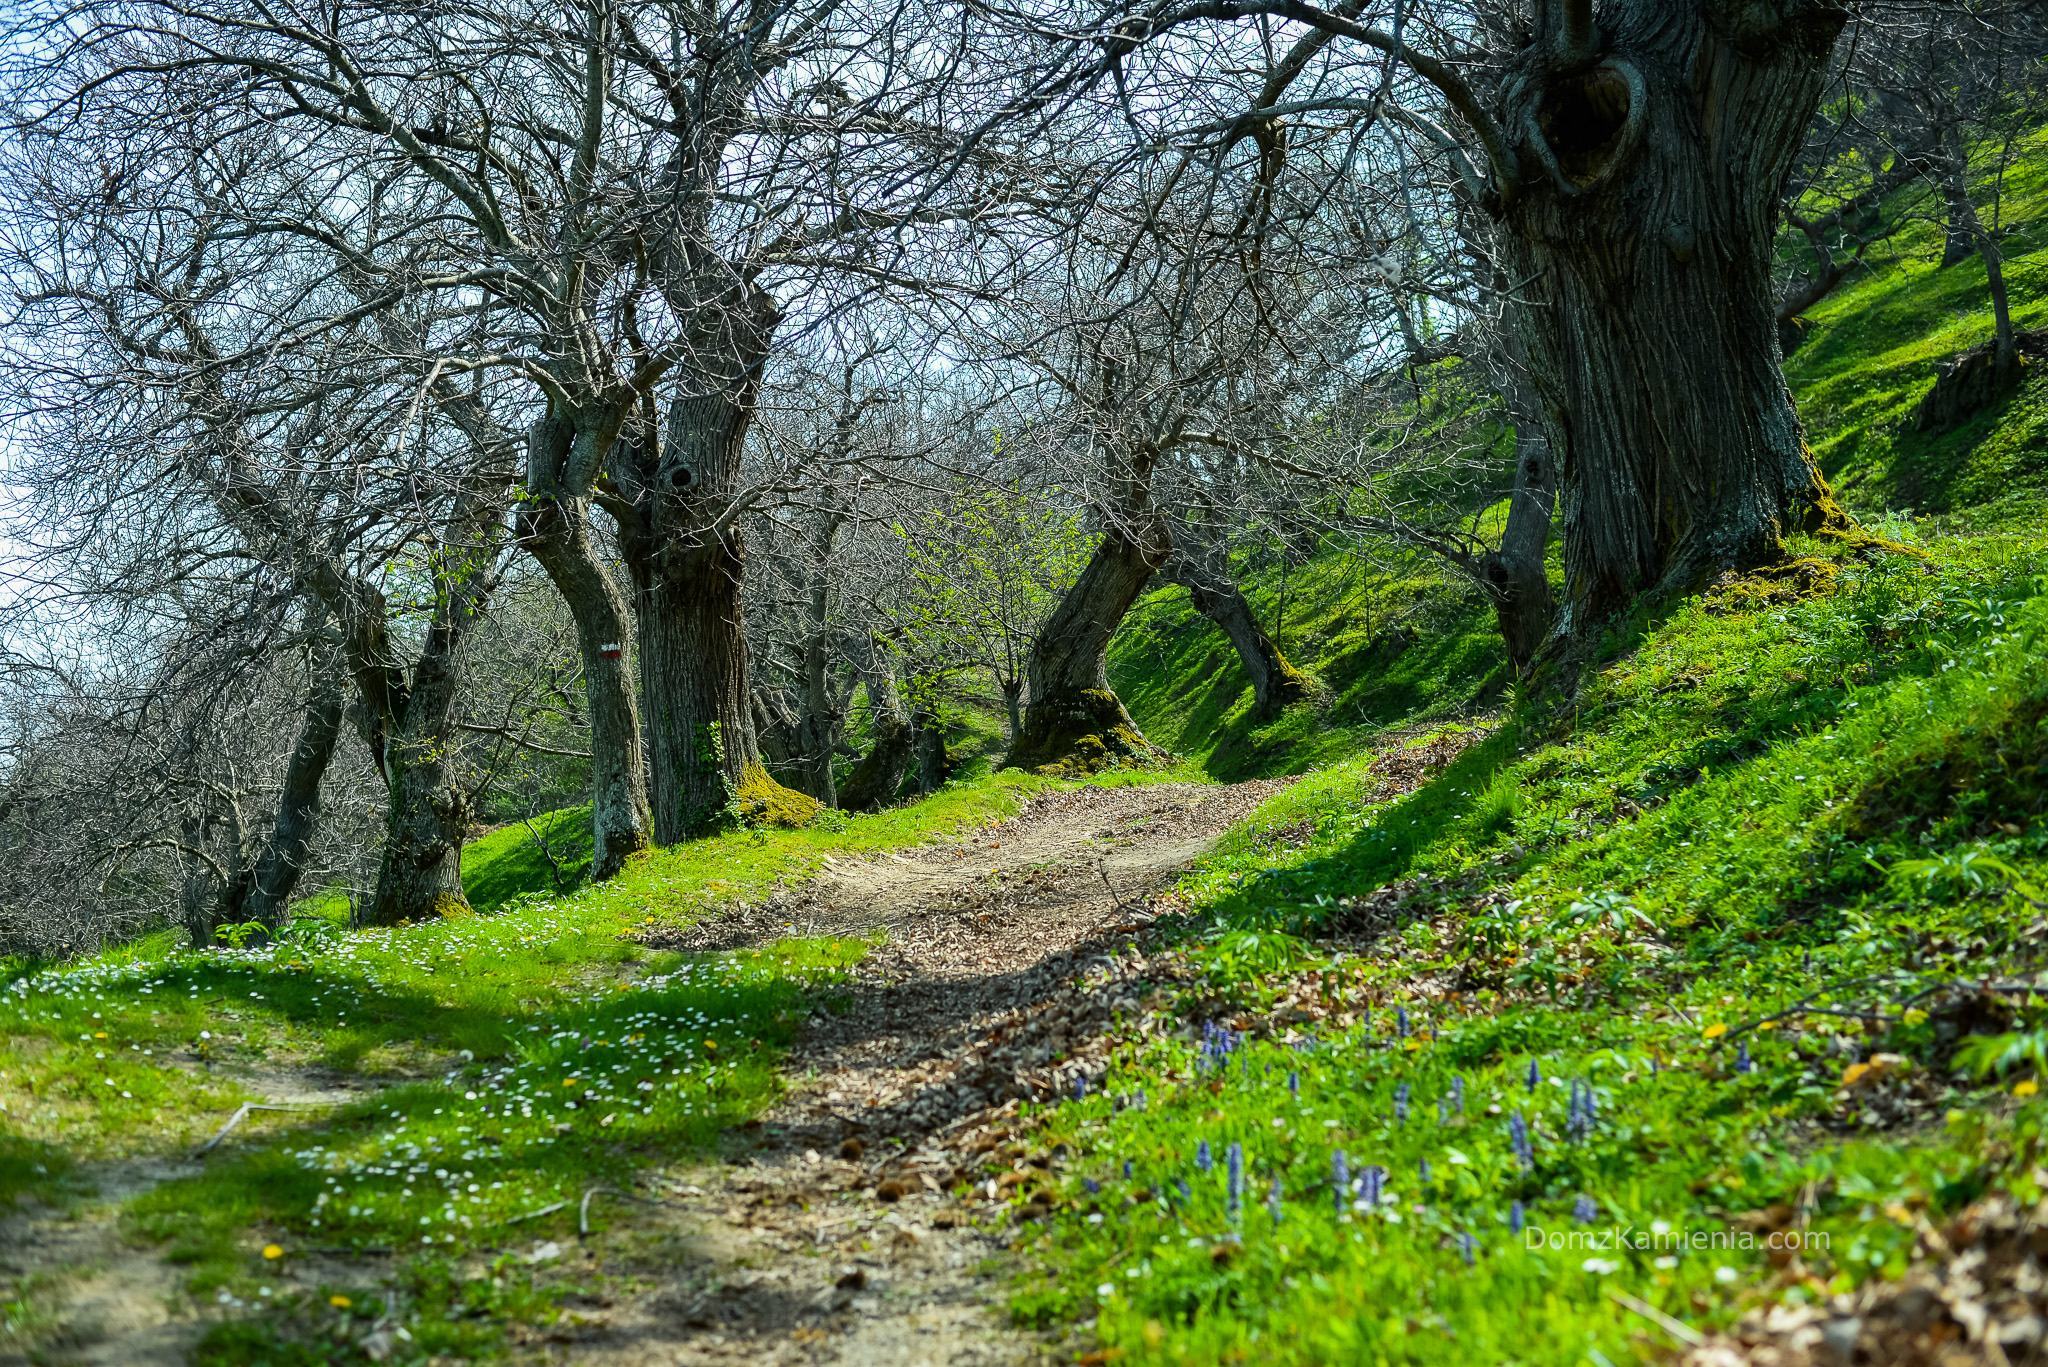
(1971, 869)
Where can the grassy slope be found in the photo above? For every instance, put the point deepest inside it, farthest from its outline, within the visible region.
(1757, 801)
(1831, 799)
(1872, 354)
(1730, 823)
(514, 1042)
(1390, 648)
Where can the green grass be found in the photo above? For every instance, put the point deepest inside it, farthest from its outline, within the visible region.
(1874, 346)
(526, 1055)
(549, 853)
(1754, 802)
(1401, 647)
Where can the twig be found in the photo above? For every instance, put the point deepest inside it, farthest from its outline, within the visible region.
(536, 1214)
(241, 1111)
(1678, 1329)
(583, 1211)
(1103, 873)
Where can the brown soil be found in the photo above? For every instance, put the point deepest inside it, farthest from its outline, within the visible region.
(862, 1221)
(117, 1303)
(858, 1222)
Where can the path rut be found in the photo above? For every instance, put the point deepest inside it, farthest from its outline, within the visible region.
(834, 1235)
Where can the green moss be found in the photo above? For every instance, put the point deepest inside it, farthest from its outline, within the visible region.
(763, 800)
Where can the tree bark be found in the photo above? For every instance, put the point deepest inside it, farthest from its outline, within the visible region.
(878, 777)
(693, 675)
(263, 891)
(419, 875)
(1013, 706)
(1275, 682)
(554, 527)
(420, 872)
(681, 540)
(875, 780)
(1074, 717)
(1515, 575)
(1648, 316)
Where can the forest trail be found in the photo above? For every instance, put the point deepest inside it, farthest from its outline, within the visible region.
(119, 1302)
(830, 1235)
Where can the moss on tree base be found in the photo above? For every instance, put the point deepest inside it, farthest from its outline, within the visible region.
(760, 798)
(1082, 732)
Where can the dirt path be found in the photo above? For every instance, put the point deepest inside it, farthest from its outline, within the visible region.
(121, 1304)
(831, 1234)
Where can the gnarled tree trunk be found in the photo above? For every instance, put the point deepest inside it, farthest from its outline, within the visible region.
(875, 780)
(1275, 682)
(1659, 151)
(419, 874)
(263, 890)
(693, 676)
(554, 527)
(1074, 717)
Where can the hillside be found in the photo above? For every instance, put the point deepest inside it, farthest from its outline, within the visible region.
(1697, 1019)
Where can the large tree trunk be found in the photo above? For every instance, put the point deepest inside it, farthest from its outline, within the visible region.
(420, 873)
(818, 723)
(875, 780)
(1074, 717)
(554, 527)
(1275, 682)
(1645, 238)
(693, 674)
(681, 540)
(264, 890)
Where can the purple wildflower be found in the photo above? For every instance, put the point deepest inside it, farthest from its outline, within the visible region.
(1401, 1104)
(1401, 1021)
(1182, 1184)
(1535, 1075)
(1080, 1087)
(1742, 1060)
(1233, 1162)
(1517, 1216)
(1375, 1184)
(1466, 1244)
(1202, 1158)
(1585, 1211)
(1340, 1179)
(1422, 1166)
(1294, 1084)
(1518, 1139)
(1458, 1095)
(1127, 1170)
(1094, 1187)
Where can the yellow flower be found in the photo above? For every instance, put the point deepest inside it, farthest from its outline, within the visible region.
(1716, 1030)
(1412, 1045)
(2027, 1088)
(711, 1044)
(99, 1034)
(1914, 1017)
(340, 1302)
(272, 1252)
(568, 1082)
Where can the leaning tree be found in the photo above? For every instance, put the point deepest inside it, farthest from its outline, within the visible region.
(1633, 157)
